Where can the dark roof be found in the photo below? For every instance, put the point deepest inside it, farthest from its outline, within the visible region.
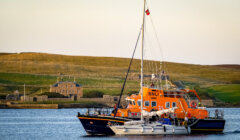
(55, 85)
(77, 85)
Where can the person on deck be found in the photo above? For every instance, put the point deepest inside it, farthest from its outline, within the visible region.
(199, 104)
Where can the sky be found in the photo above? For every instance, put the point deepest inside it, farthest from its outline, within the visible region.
(186, 31)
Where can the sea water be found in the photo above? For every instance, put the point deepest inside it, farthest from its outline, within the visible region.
(62, 124)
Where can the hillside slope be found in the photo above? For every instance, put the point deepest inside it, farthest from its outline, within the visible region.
(39, 70)
(109, 67)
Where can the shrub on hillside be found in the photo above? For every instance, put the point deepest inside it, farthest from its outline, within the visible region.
(179, 84)
(235, 82)
(132, 92)
(2, 96)
(202, 92)
(54, 95)
(93, 94)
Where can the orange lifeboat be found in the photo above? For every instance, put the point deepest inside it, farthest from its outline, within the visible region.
(157, 99)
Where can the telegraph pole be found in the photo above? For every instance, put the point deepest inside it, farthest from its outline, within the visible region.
(24, 91)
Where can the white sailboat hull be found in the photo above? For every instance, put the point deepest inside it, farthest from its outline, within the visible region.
(149, 130)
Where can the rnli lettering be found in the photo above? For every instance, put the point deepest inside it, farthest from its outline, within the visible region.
(153, 93)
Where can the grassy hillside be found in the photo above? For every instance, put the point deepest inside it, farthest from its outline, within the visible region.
(106, 74)
(226, 93)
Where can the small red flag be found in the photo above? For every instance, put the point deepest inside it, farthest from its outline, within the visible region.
(147, 12)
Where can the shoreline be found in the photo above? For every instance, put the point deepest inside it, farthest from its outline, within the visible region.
(49, 106)
(74, 105)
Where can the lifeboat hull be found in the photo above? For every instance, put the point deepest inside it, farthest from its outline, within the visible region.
(208, 126)
(96, 125)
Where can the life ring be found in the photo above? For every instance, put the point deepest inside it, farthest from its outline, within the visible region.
(193, 104)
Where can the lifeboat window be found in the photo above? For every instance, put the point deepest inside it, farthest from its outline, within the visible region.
(174, 104)
(134, 103)
(167, 105)
(146, 103)
(154, 103)
(139, 103)
(130, 102)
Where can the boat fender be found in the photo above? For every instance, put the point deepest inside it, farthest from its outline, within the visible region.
(142, 130)
(164, 128)
(152, 129)
(124, 129)
(189, 130)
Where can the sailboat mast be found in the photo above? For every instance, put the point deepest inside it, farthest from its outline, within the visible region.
(141, 84)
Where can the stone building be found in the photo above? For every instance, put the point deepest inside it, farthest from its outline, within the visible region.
(34, 99)
(15, 96)
(70, 89)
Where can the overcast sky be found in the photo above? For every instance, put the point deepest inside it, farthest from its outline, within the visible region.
(189, 31)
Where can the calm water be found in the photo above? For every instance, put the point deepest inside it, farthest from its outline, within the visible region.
(29, 124)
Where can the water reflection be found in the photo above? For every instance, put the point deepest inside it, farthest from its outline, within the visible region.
(44, 124)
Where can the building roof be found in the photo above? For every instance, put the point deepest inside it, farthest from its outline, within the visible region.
(75, 83)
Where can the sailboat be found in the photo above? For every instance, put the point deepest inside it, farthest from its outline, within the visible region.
(143, 127)
(155, 128)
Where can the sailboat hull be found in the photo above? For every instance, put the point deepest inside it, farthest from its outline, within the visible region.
(149, 130)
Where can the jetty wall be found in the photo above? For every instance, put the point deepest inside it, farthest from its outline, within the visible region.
(32, 106)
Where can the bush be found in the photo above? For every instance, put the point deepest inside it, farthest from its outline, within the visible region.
(2, 96)
(54, 95)
(235, 82)
(93, 94)
(132, 92)
(202, 92)
(179, 84)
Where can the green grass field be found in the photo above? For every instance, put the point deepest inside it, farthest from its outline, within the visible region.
(226, 93)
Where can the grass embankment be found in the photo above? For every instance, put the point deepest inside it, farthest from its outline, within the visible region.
(106, 74)
(226, 93)
(69, 104)
(59, 102)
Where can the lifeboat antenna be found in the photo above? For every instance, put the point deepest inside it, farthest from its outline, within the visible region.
(141, 84)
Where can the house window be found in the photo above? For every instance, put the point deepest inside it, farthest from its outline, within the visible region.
(167, 104)
(115, 99)
(146, 103)
(154, 103)
(174, 104)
